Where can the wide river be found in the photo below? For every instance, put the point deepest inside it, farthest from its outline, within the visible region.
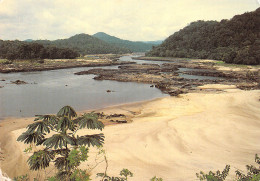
(47, 91)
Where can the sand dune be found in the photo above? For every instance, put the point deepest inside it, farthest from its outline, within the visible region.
(174, 138)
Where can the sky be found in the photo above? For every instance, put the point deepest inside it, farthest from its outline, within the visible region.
(136, 20)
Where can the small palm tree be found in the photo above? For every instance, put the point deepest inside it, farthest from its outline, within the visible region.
(64, 143)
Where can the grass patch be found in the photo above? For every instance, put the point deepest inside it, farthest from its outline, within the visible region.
(5, 61)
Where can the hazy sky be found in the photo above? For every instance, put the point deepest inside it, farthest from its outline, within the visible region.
(127, 19)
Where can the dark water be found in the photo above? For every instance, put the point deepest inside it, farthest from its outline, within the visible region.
(47, 92)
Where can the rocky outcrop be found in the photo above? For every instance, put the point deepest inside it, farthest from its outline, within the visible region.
(166, 77)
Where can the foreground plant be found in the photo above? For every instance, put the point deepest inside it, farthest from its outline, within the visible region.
(214, 176)
(62, 145)
(253, 173)
(124, 173)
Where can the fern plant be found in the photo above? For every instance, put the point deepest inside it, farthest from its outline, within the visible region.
(65, 147)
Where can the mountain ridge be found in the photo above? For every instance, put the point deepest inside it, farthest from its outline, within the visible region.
(134, 46)
(85, 44)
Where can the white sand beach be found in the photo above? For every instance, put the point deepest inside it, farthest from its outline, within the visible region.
(172, 137)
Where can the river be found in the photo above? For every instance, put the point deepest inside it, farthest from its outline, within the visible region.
(47, 91)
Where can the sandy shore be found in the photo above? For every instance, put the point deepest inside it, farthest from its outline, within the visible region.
(173, 137)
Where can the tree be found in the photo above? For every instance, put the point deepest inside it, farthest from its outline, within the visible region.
(62, 145)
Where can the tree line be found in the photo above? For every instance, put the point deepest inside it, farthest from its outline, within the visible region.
(30, 50)
(233, 41)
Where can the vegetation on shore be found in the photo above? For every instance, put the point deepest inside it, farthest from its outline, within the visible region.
(233, 41)
(12, 50)
(60, 143)
(253, 173)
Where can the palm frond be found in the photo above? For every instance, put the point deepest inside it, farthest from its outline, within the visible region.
(67, 111)
(28, 138)
(58, 141)
(48, 118)
(61, 163)
(64, 123)
(39, 126)
(90, 121)
(94, 140)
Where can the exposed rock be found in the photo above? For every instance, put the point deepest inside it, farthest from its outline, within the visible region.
(166, 77)
(18, 82)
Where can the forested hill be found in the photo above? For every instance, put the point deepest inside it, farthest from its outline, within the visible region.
(134, 46)
(85, 44)
(233, 41)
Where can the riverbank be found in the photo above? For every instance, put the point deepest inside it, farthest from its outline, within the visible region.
(172, 138)
(54, 64)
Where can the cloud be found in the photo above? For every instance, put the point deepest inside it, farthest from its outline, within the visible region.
(127, 19)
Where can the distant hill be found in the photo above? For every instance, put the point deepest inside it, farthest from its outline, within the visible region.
(28, 40)
(233, 41)
(134, 46)
(85, 44)
(158, 42)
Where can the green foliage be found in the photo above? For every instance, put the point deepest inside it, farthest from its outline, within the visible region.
(214, 176)
(232, 41)
(4, 61)
(65, 148)
(77, 155)
(30, 50)
(80, 175)
(253, 173)
(156, 179)
(21, 178)
(125, 173)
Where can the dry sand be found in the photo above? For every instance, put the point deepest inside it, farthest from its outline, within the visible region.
(173, 138)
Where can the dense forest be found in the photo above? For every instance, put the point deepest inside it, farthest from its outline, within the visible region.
(134, 46)
(24, 50)
(85, 44)
(233, 41)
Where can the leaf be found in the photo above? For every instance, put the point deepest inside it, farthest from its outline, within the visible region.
(40, 127)
(28, 138)
(58, 141)
(67, 111)
(94, 140)
(61, 163)
(64, 124)
(40, 159)
(90, 121)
